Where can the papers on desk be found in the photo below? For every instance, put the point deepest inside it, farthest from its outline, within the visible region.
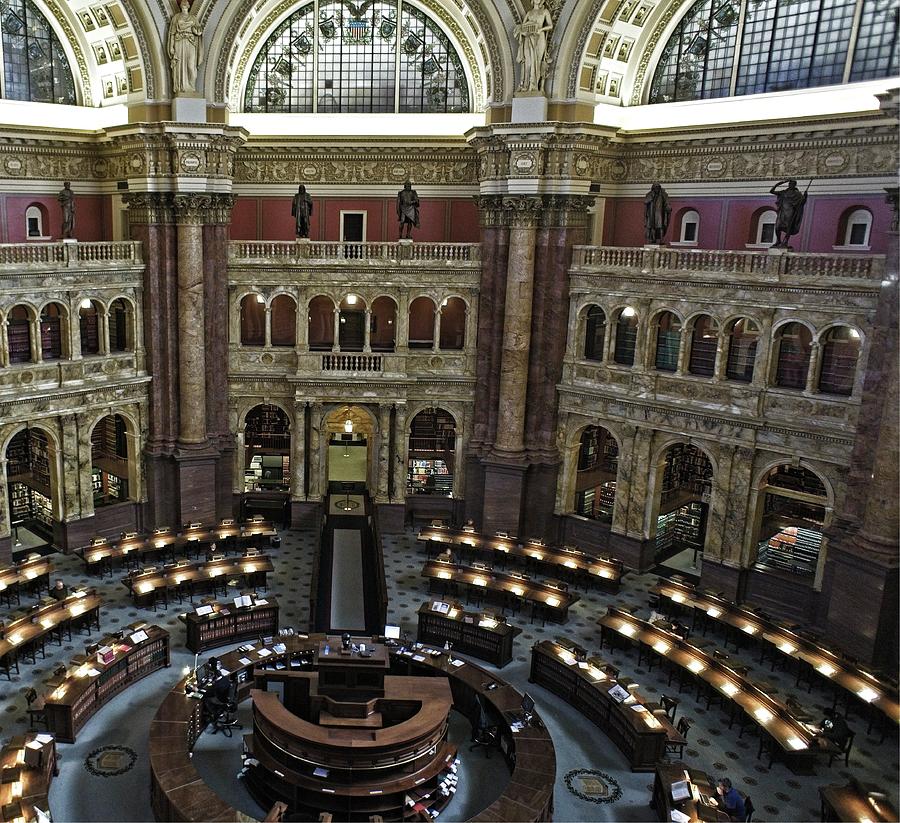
(618, 693)
(438, 606)
(582, 664)
(243, 600)
(245, 661)
(202, 611)
(679, 817)
(279, 648)
(680, 790)
(262, 602)
(93, 672)
(264, 652)
(418, 658)
(138, 637)
(44, 739)
(458, 663)
(320, 772)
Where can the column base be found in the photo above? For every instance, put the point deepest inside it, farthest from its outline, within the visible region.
(305, 514)
(504, 492)
(725, 577)
(391, 517)
(196, 472)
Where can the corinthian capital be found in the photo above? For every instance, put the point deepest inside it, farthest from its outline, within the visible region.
(149, 207)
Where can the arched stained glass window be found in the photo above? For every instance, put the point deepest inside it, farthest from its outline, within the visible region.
(783, 44)
(35, 67)
(340, 56)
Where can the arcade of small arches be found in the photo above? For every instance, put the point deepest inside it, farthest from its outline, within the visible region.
(794, 355)
(353, 323)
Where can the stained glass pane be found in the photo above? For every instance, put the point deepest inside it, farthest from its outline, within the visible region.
(34, 62)
(358, 48)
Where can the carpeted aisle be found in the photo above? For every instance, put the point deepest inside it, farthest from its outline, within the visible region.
(348, 605)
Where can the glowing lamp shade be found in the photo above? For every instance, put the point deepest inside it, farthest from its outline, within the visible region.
(628, 312)
(16, 638)
(444, 575)
(628, 630)
(696, 666)
(661, 647)
(351, 299)
(714, 612)
(553, 601)
(570, 564)
(763, 715)
(479, 581)
(749, 629)
(826, 668)
(518, 591)
(348, 426)
(678, 598)
(260, 299)
(796, 743)
(730, 689)
(868, 694)
(145, 587)
(787, 648)
(536, 555)
(31, 574)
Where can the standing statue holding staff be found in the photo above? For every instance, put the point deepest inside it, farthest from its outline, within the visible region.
(301, 211)
(185, 47)
(657, 212)
(66, 200)
(531, 35)
(789, 205)
(407, 210)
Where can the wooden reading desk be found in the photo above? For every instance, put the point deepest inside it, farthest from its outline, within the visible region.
(481, 634)
(855, 681)
(553, 600)
(855, 802)
(28, 765)
(90, 683)
(26, 635)
(186, 578)
(702, 804)
(605, 570)
(790, 737)
(33, 574)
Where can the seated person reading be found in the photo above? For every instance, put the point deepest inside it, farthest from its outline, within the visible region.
(835, 728)
(731, 799)
(60, 590)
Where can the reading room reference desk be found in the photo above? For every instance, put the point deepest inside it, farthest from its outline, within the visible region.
(92, 682)
(843, 674)
(28, 765)
(855, 802)
(25, 636)
(550, 598)
(638, 727)
(700, 802)
(780, 732)
(218, 624)
(481, 634)
(566, 559)
(179, 794)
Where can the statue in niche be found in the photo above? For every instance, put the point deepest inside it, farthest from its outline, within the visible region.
(407, 210)
(531, 35)
(66, 200)
(657, 212)
(301, 211)
(789, 205)
(185, 47)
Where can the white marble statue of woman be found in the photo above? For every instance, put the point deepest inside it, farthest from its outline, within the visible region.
(185, 49)
(531, 35)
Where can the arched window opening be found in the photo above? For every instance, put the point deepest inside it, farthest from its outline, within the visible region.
(793, 517)
(352, 328)
(690, 226)
(30, 483)
(321, 323)
(267, 441)
(840, 352)
(668, 341)
(18, 330)
(89, 326)
(765, 228)
(35, 220)
(383, 331)
(595, 480)
(52, 332)
(358, 58)
(704, 343)
(109, 461)
(857, 227)
(743, 338)
(121, 329)
(453, 323)
(594, 334)
(253, 320)
(794, 348)
(284, 320)
(432, 451)
(35, 67)
(421, 323)
(626, 337)
(683, 506)
(784, 45)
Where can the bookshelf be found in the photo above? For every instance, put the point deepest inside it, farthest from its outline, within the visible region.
(421, 470)
(229, 624)
(482, 635)
(74, 699)
(18, 333)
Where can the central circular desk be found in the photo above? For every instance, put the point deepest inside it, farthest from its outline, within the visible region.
(178, 793)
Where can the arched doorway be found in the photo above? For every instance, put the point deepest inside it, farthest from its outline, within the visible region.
(595, 477)
(31, 483)
(432, 453)
(109, 461)
(267, 442)
(794, 506)
(684, 496)
(350, 432)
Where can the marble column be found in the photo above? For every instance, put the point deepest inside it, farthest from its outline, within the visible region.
(401, 452)
(384, 457)
(812, 374)
(237, 478)
(367, 332)
(4, 343)
(85, 458)
(191, 322)
(401, 335)
(5, 520)
(625, 469)
(316, 423)
(268, 326)
(436, 331)
(336, 344)
(298, 454)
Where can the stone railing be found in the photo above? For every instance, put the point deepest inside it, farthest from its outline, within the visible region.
(774, 265)
(353, 254)
(355, 363)
(69, 255)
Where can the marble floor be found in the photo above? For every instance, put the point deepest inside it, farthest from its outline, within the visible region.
(778, 794)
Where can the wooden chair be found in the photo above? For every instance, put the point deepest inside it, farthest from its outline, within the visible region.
(670, 706)
(36, 712)
(843, 749)
(749, 808)
(676, 747)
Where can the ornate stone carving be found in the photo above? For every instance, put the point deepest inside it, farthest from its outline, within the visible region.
(524, 209)
(566, 210)
(147, 207)
(200, 209)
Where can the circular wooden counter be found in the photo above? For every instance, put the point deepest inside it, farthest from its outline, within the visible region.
(178, 793)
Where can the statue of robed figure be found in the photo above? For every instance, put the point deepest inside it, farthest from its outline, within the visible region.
(66, 200)
(407, 210)
(789, 205)
(657, 212)
(301, 211)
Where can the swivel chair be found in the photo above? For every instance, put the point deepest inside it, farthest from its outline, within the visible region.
(485, 734)
(223, 711)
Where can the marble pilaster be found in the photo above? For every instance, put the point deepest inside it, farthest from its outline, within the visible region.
(316, 466)
(625, 469)
(644, 481)
(298, 454)
(5, 522)
(401, 449)
(384, 457)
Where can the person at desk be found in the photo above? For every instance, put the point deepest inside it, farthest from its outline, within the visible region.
(446, 556)
(731, 799)
(835, 728)
(60, 590)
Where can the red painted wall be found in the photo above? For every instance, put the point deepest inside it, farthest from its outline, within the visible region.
(441, 220)
(728, 223)
(93, 217)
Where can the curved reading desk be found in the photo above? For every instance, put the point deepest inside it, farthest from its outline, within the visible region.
(178, 793)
